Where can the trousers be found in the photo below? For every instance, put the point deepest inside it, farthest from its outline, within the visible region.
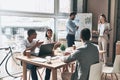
(102, 43)
(70, 40)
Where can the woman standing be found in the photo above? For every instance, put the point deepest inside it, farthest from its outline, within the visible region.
(103, 30)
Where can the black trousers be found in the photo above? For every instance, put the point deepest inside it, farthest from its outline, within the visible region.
(70, 40)
(47, 74)
(32, 68)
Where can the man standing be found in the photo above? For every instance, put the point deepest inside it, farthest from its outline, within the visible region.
(71, 29)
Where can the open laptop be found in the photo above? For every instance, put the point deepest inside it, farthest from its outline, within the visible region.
(46, 49)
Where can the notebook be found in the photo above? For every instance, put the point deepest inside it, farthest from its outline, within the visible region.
(46, 49)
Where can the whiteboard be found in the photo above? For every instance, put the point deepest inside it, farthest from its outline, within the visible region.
(83, 20)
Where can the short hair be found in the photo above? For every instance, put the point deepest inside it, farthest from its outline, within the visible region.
(47, 31)
(85, 34)
(31, 31)
(73, 13)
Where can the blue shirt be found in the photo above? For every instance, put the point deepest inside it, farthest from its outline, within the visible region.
(71, 27)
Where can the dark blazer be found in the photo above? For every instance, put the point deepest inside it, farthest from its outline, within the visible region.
(85, 56)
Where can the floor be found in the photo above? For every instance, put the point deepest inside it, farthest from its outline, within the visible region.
(59, 76)
(20, 74)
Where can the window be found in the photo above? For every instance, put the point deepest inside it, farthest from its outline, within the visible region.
(42, 6)
(64, 6)
(61, 28)
(17, 16)
(14, 28)
(79, 6)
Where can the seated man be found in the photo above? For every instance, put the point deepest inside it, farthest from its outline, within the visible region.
(30, 44)
(85, 56)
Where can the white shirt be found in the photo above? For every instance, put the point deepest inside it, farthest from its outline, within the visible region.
(26, 44)
(46, 41)
(102, 28)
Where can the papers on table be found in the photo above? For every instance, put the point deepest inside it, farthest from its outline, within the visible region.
(39, 59)
(55, 57)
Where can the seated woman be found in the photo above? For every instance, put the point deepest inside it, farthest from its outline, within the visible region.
(48, 39)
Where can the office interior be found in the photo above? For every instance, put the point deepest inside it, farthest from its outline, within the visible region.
(17, 16)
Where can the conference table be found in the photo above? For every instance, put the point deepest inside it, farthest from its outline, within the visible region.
(55, 64)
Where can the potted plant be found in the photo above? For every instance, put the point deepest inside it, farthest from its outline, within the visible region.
(62, 47)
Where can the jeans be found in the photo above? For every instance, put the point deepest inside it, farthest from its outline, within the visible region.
(32, 68)
(47, 75)
(70, 40)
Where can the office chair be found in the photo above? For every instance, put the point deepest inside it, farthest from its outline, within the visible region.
(95, 71)
(112, 70)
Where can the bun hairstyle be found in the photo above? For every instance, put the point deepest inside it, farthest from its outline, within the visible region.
(103, 15)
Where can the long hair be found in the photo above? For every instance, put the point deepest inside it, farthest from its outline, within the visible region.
(103, 15)
(47, 31)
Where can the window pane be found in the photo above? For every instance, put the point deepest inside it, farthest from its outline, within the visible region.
(43, 6)
(79, 6)
(61, 28)
(14, 29)
(64, 6)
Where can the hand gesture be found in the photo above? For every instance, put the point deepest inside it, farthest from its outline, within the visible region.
(57, 44)
(38, 43)
(66, 53)
(99, 21)
(106, 31)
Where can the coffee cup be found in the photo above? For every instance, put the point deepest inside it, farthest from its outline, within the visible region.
(28, 54)
(48, 58)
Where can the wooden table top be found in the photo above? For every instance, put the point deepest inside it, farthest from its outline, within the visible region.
(56, 63)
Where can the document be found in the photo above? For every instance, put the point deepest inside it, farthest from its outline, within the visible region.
(55, 57)
(39, 59)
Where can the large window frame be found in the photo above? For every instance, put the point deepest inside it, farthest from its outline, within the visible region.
(56, 15)
(35, 6)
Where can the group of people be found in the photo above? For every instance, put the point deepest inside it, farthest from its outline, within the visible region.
(85, 56)
(31, 44)
(88, 54)
(103, 32)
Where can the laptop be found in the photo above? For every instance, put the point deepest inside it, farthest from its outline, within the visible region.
(46, 49)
